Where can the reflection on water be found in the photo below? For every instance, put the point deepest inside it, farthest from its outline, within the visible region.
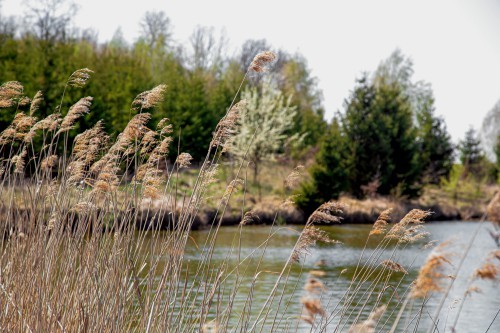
(262, 261)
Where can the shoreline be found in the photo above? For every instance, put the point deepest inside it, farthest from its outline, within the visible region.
(356, 212)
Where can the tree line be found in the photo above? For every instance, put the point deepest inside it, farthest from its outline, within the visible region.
(387, 140)
(42, 49)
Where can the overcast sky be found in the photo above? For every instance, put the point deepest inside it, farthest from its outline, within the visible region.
(455, 44)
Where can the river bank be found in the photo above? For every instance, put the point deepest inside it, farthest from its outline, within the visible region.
(356, 211)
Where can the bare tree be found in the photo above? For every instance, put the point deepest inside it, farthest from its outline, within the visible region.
(156, 29)
(8, 25)
(207, 48)
(491, 130)
(249, 49)
(49, 20)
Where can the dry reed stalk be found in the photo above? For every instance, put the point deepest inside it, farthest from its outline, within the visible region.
(393, 266)
(309, 236)
(228, 126)
(80, 265)
(368, 326)
(431, 275)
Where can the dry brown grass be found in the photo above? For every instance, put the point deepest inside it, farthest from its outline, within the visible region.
(72, 259)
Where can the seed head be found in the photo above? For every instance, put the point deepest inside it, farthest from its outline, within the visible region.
(79, 78)
(249, 217)
(294, 177)
(431, 274)
(380, 226)
(184, 160)
(49, 162)
(309, 236)
(76, 111)
(325, 213)
(261, 61)
(10, 93)
(314, 286)
(35, 103)
(227, 126)
(312, 306)
(393, 266)
(149, 99)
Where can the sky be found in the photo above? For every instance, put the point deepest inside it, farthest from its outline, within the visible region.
(454, 44)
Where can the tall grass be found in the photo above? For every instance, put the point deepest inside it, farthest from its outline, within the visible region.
(82, 250)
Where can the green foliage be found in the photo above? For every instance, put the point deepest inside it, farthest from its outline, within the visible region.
(497, 157)
(464, 187)
(197, 96)
(328, 174)
(471, 154)
(436, 149)
(380, 139)
(388, 140)
(297, 82)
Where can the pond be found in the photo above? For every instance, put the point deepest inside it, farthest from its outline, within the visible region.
(333, 265)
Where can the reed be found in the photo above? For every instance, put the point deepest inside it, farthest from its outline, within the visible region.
(82, 247)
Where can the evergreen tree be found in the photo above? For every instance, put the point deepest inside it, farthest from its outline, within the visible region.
(436, 149)
(328, 173)
(380, 140)
(471, 154)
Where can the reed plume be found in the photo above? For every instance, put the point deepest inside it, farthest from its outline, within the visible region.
(313, 307)
(294, 177)
(35, 103)
(249, 217)
(75, 112)
(489, 270)
(19, 161)
(431, 274)
(368, 326)
(410, 228)
(314, 286)
(394, 266)
(80, 77)
(149, 99)
(228, 125)
(261, 61)
(183, 160)
(308, 237)
(380, 225)
(10, 93)
(327, 213)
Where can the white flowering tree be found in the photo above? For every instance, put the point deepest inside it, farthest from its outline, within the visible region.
(264, 125)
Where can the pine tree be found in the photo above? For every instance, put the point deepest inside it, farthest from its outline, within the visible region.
(328, 174)
(380, 140)
(471, 153)
(436, 149)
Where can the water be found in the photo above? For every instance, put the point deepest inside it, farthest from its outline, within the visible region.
(339, 263)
